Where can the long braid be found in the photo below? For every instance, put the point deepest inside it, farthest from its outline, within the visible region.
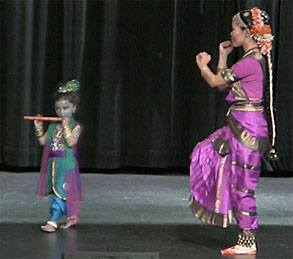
(269, 107)
(256, 21)
(271, 101)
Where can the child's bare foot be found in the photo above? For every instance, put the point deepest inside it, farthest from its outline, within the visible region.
(49, 227)
(70, 222)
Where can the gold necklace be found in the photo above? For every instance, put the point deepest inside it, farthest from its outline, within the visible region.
(249, 51)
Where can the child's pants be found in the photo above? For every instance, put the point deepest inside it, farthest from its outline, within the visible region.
(57, 207)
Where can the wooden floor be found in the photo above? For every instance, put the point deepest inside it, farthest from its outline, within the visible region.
(136, 216)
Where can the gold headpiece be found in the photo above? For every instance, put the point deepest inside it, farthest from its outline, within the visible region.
(237, 19)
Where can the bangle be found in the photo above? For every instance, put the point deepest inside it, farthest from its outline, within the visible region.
(39, 133)
(220, 70)
(38, 128)
(67, 133)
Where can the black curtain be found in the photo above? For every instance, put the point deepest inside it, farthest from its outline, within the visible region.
(143, 101)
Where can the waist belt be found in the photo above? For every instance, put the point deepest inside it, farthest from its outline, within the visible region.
(251, 107)
(60, 153)
(57, 153)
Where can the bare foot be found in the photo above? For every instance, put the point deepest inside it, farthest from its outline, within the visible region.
(48, 228)
(69, 223)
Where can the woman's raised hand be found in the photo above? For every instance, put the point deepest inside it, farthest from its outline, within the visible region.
(202, 59)
(225, 48)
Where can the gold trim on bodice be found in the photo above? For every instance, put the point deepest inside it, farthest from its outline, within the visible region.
(229, 76)
(239, 93)
(236, 87)
(57, 141)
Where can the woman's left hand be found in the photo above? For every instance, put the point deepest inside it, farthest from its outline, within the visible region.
(225, 48)
(202, 59)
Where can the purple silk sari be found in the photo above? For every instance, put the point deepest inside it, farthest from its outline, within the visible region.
(225, 167)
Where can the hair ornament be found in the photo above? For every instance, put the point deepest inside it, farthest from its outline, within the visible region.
(70, 86)
(261, 32)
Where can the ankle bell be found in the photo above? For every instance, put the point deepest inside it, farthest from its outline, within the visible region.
(246, 241)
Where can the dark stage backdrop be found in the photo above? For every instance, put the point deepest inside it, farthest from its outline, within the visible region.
(143, 101)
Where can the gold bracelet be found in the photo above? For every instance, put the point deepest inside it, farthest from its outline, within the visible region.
(39, 133)
(220, 70)
(67, 133)
(38, 128)
(67, 136)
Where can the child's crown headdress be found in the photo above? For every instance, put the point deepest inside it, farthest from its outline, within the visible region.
(70, 86)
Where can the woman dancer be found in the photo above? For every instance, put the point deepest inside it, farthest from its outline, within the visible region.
(225, 167)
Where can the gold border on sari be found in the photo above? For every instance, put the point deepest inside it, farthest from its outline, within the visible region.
(245, 166)
(53, 180)
(210, 217)
(256, 144)
(220, 145)
(246, 213)
(218, 197)
(240, 189)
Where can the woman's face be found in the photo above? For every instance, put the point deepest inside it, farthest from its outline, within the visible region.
(64, 108)
(238, 36)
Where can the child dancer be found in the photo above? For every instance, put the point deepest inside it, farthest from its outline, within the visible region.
(59, 175)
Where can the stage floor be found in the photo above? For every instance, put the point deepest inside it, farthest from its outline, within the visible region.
(128, 213)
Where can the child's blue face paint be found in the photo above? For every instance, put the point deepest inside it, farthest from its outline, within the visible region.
(64, 108)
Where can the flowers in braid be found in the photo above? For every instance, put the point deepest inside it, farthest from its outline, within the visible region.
(262, 34)
(256, 21)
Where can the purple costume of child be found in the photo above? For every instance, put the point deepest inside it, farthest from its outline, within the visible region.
(225, 167)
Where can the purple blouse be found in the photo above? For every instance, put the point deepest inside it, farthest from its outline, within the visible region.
(250, 74)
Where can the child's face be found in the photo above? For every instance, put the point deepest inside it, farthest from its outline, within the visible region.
(64, 108)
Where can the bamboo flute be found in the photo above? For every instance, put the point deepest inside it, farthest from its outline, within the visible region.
(42, 118)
